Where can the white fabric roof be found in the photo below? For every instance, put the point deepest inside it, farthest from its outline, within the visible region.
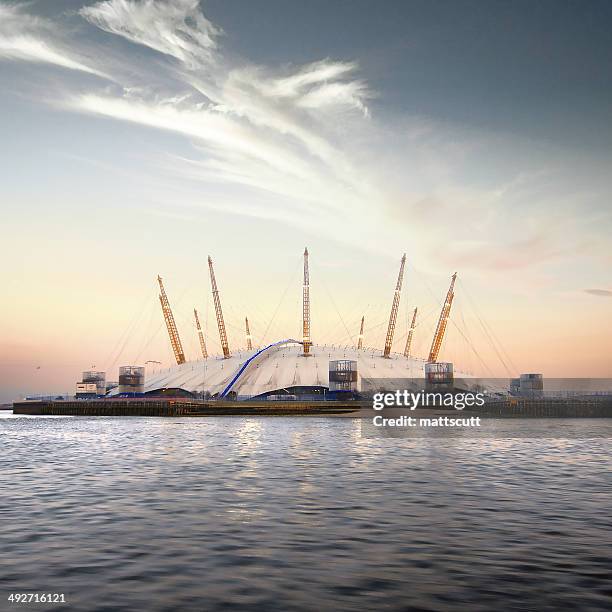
(281, 366)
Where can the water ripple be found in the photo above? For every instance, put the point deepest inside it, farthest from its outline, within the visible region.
(299, 514)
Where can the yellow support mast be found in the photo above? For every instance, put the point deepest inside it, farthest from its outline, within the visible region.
(200, 335)
(442, 321)
(248, 335)
(394, 309)
(175, 340)
(360, 339)
(218, 311)
(410, 332)
(306, 307)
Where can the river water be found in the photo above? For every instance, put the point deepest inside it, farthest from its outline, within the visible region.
(300, 514)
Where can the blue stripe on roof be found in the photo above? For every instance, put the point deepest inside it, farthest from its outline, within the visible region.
(245, 365)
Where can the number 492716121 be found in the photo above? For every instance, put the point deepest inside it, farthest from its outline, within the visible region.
(37, 598)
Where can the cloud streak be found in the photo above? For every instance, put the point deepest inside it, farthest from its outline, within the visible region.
(175, 28)
(21, 38)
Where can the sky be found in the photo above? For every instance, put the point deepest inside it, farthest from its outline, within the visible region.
(138, 137)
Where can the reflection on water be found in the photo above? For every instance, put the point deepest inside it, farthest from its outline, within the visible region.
(297, 514)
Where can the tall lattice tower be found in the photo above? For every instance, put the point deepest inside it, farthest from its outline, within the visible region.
(394, 309)
(218, 311)
(200, 334)
(441, 327)
(306, 307)
(248, 334)
(175, 340)
(360, 339)
(410, 332)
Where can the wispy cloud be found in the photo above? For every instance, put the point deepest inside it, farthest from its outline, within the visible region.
(175, 28)
(22, 37)
(599, 292)
(297, 143)
(264, 128)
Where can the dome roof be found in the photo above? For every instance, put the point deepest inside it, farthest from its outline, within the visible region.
(279, 366)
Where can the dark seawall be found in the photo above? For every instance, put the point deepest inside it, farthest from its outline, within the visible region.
(579, 407)
(180, 407)
(600, 407)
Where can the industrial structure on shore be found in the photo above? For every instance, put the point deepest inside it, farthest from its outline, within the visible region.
(289, 368)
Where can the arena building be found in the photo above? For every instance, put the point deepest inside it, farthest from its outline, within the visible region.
(293, 369)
